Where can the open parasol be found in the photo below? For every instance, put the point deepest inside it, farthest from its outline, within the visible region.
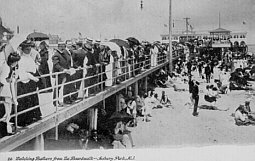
(121, 116)
(113, 46)
(37, 36)
(120, 42)
(133, 41)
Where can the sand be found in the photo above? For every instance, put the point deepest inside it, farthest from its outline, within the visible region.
(176, 127)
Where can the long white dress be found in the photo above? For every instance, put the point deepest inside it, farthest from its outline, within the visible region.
(109, 72)
(6, 90)
(154, 56)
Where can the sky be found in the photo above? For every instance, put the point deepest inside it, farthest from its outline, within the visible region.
(124, 18)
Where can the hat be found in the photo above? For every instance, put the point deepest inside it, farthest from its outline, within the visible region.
(25, 44)
(79, 43)
(89, 40)
(97, 42)
(61, 43)
(88, 46)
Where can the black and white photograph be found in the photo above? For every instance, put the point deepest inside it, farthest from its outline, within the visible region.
(150, 79)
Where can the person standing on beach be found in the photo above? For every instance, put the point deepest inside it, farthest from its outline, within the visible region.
(195, 96)
(208, 73)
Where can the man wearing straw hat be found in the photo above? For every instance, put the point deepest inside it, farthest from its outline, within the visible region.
(99, 61)
(62, 63)
(78, 59)
(91, 71)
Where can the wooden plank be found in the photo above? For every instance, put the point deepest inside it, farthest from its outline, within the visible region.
(10, 143)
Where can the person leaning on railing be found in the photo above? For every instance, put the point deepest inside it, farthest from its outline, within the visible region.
(78, 57)
(62, 63)
(27, 84)
(91, 67)
(44, 66)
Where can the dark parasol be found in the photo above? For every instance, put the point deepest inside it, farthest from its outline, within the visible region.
(120, 42)
(121, 116)
(37, 36)
(133, 41)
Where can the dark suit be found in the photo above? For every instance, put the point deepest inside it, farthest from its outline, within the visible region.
(61, 61)
(78, 58)
(195, 96)
(92, 71)
(44, 69)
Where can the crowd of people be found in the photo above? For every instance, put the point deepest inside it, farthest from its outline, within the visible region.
(86, 68)
(80, 70)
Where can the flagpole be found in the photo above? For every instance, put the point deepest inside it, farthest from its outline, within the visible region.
(170, 37)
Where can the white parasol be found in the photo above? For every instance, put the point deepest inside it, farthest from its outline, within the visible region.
(113, 46)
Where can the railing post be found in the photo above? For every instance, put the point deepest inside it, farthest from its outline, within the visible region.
(57, 100)
(16, 107)
(102, 78)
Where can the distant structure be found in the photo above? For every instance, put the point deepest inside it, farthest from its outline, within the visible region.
(54, 39)
(5, 33)
(218, 38)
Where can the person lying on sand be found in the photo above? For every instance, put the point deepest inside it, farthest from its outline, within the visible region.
(206, 107)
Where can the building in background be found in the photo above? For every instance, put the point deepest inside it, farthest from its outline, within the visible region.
(5, 33)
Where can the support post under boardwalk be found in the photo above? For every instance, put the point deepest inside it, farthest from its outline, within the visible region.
(136, 88)
(91, 118)
(95, 118)
(117, 102)
(146, 84)
(39, 143)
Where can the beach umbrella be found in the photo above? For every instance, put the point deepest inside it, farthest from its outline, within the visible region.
(37, 36)
(113, 46)
(120, 42)
(121, 116)
(133, 41)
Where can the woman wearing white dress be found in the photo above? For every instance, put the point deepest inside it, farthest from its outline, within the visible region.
(7, 79)
(109, 68)
(27, 84)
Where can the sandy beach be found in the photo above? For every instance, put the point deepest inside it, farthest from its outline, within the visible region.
(174, 127)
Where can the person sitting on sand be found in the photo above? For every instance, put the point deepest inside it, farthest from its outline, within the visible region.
(139, 104)
(156, 102)
(251, 115)
(132, 110)
(211, 95)
(241, 116)
(122, 137)
(165, 101)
